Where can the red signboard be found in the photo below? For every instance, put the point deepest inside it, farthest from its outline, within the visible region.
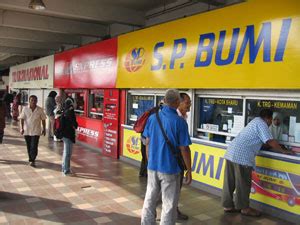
(111, 122)
(91, 66)
(90, 131)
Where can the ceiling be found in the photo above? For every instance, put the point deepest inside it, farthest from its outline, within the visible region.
(27, 34)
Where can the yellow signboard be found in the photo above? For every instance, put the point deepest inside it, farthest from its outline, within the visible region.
(254, 44)
(132, 145)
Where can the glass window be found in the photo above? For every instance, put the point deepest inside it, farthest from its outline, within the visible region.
(159, 99)
(78, 101)
(137, 105)
(96, 99)
(219, 119)
(286, 117)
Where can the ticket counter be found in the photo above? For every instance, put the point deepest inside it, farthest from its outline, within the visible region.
(231, 68)
(88, 75)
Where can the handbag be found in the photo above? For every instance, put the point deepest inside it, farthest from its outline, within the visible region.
(174, 151)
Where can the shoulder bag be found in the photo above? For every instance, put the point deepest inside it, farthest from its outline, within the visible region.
(174, 151)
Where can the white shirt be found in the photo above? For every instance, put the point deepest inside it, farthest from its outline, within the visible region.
(32, 120)
(180, 114)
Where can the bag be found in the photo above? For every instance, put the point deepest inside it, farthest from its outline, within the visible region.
(140, 123)
(174, 151)
(58, 129)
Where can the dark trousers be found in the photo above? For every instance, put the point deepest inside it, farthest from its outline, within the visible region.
(144, 162)
(1, 135)
(236, 178)
(32, 143)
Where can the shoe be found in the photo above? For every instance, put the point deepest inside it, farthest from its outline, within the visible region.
(231, 210)
(181, 216)
(250, 212)
(32, 164)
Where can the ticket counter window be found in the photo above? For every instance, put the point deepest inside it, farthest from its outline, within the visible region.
(137, 105)
(286, 118)
(219, 119)
(159, 99)
(96, 99)
(79, 102)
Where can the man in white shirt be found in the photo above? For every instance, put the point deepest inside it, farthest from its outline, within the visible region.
(31, 119)
(182, 110)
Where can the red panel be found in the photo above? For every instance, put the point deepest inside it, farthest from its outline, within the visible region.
(90, 131)
(122, 118)
(91, 66)
(111, 122)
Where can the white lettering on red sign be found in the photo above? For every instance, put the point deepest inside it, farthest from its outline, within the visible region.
(88, 132)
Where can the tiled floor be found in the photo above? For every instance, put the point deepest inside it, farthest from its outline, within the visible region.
(103, 190)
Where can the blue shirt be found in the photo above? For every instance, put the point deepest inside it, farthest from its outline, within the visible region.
(160, 157)
(243, 149)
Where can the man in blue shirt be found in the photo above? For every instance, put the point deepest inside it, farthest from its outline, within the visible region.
(240, 161)
(163, 168)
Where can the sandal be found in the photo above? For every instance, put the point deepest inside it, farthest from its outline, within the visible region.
(250, 212)
(231, 210)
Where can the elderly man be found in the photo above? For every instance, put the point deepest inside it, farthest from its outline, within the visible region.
(163, 168)
(240, 161)
(182, 110)
(31, 119)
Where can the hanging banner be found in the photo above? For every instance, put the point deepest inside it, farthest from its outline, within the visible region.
(90, 66)
(250, 45)
(32, 75)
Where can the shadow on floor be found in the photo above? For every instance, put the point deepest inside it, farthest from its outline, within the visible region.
(59, 211)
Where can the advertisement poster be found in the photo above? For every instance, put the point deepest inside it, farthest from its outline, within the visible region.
(274, 182)
(111, 122)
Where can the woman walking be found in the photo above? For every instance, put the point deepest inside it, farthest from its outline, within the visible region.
(69, 125)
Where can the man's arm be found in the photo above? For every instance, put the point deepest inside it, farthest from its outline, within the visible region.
(44, 127)
(186, 155)
(22, 126)
(275, 146)
(147, 144)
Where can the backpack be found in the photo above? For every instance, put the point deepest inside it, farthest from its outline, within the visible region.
(58, 128)
(140, 123)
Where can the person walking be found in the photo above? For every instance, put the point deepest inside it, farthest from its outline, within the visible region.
(69, 125)
(240, 161)
(163, 168)
(50, 106)
(8, 99)
(15, 107)
(2, 119)
(31, 119)
(58, 111)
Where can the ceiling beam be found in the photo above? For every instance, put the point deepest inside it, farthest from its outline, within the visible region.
(28, 44)
(93, 10)
(38, 36)
(24, 51)
(50, 24)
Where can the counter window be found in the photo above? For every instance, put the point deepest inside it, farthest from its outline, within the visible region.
(286, 118)
(79, 102)
(136, 105)
(96, 99)
(219, 119)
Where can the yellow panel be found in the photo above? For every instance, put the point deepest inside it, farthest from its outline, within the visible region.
(211, 50)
